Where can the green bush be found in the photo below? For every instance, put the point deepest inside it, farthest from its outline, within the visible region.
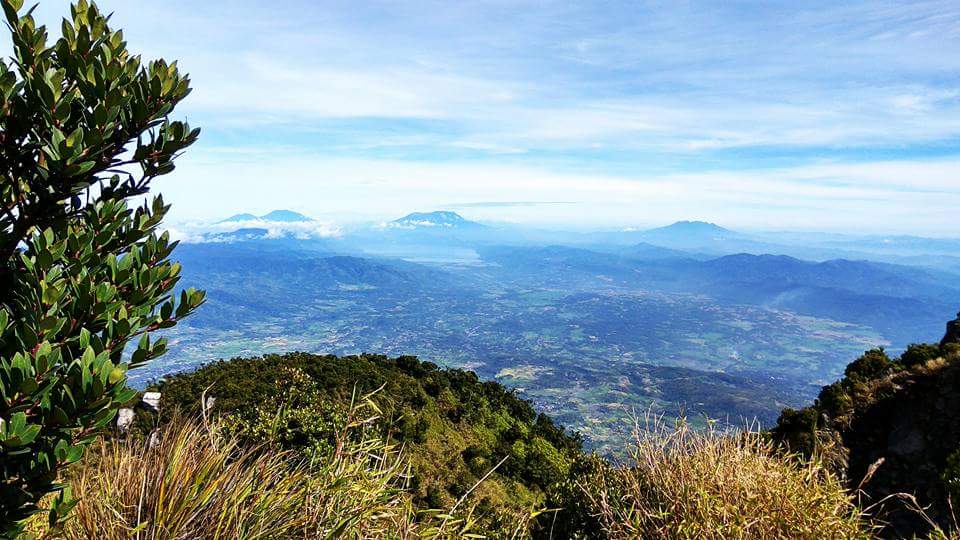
(83, 128)
(919, 353)
(872, 365)
(951, 477)
(798, 429)
(834, 399)
(300, 418)
(574, 514)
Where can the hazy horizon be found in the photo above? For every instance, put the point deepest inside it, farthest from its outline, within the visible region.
(351, 222)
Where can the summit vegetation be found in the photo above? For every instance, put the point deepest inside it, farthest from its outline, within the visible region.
(455, 429)
(425, 451)
(401, 448)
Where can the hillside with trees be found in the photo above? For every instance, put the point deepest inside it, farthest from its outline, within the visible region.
(476, 451)
(875, 455)
(454, 428)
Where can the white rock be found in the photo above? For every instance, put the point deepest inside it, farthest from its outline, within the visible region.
(124, 419)
(152, 400)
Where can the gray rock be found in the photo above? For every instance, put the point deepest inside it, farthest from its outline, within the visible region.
(124, 419)
(953, 332)
(906, 441)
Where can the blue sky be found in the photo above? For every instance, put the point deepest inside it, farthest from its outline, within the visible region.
(779, 115)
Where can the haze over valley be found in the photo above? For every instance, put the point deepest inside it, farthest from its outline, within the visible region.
(592, 326)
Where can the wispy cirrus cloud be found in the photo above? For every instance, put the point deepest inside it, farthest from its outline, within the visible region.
(506, 204)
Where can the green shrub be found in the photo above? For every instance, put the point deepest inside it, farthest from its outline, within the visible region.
(872, 365)
(572, 511)
(83, 128)
(798, 429)
(834, 399)
(300, 418)
(951, 477)
(919, 353)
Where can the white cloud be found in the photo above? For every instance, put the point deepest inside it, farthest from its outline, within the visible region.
(195, 232)
(507, 78)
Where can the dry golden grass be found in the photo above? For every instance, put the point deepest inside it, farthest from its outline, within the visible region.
(689, 484)
(196, 483)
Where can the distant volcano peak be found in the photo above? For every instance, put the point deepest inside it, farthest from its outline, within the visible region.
(277, 216)
(695, 226)
(438, 219)
(285, 216)
(240, 217)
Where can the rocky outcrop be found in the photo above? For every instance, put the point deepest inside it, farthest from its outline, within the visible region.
(953, 332)
(906, 433)
(891, 427)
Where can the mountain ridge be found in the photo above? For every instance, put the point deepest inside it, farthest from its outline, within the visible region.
(274, 216)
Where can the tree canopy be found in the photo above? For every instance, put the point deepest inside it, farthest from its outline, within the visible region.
(84, 128)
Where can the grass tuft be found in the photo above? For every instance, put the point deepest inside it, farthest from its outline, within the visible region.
(196, 481)
(684, 483)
